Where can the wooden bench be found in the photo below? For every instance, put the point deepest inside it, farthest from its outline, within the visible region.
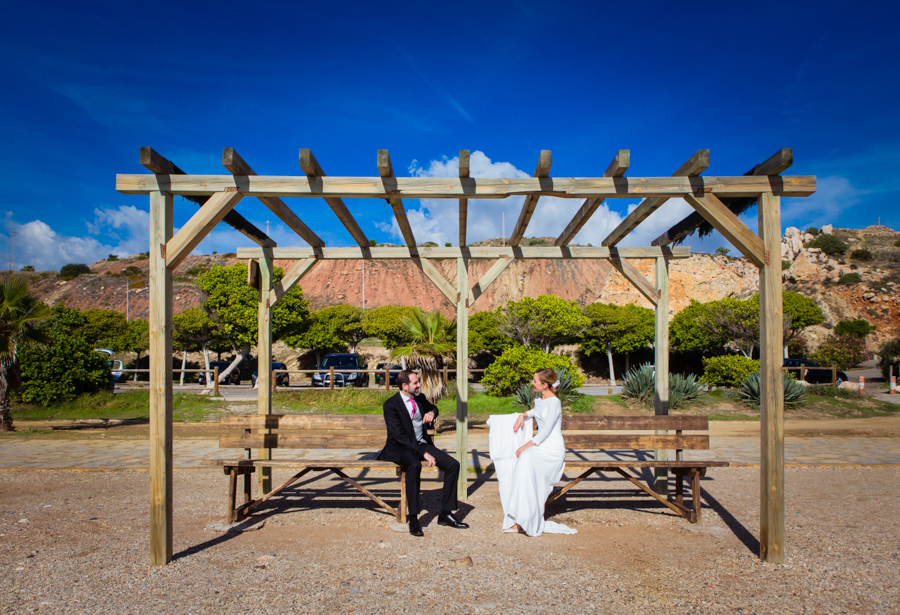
(361, 433)
(634, 447)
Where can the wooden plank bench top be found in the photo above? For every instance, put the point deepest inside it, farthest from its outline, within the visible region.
(629, 435)
(366, 434)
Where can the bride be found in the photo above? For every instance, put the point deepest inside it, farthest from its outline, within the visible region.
(540, 463)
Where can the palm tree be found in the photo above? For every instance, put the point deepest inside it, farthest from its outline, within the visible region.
(433, 343)
(20, 309)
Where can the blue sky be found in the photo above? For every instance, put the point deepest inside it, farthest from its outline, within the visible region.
(86, 84)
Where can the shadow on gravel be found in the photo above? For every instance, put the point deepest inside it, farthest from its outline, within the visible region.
(740, 531)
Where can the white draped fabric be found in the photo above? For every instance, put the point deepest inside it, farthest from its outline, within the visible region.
(535, 472)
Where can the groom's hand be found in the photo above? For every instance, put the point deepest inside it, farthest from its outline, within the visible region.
(428, 418)
(431, 461)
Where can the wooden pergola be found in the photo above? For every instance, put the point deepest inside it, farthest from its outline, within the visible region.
(217, 196)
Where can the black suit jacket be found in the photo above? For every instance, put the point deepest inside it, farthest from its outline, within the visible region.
(400, 431)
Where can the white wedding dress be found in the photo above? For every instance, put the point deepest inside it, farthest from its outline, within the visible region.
(537, 469)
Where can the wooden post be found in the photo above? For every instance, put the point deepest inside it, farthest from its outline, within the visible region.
(462, 375)
(264, 361)
(387, 378)
(331, 377)
(445, 375)
(802, 372)
(771, 514)
(834, 375)
(161, 504)
(216, 381)
(661, 359)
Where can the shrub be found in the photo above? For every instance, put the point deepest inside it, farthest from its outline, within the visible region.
(830, 245)
(842, 351)
(136, 284)
(813, 231)
(794, 392)
(853, 328)
(897, 243)
(890, 356)
(112, 257)
(797, 346)
(722, 251)
(28, 268)
(640, 384)
(849, 278)
(73, 270)
(785, 265)
(826, 390)
(516, 366)
(862, 254)
(729, 370)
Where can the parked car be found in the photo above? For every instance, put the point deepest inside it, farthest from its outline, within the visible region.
(379, 375)
(282, 379)
(114, 366)
(814, 373)
(233, 378)
(342, 361)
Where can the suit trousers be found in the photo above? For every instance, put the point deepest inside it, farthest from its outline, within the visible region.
(412, 465)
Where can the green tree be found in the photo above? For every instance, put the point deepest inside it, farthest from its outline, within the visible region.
(20, 311)
(384, 323)
(854, 328)
(66, 366)
(234, 307)
(517, 365)
(889, 354)
(544, 321)
(433, 343)
(320, 334)
(799, 312)
(194, 331)
(485, 334)
(687, 333)
(349, 326)
(106, 328)
(620, 329)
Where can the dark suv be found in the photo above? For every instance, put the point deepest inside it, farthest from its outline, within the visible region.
(813, 374)
(342, 361)
(379, 374)
(233, 378)
(282, 379)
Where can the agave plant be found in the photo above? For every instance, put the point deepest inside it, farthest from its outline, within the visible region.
(433, 343)
(568, 392)
(524, 397)
(794, 392)
(682, 389)
(640, 384)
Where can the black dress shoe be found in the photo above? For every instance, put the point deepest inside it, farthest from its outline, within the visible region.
(414, 528)
(448, 520)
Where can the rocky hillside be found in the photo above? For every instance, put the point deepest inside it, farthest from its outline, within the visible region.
(702, 277)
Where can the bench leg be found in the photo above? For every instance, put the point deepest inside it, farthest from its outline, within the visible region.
(247, 490)
(679, 489)
(695, 494)
(232, 488)
(401, 508)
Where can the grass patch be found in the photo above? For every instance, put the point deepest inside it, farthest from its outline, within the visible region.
(733, 417)
(347, 400)
(127, 405)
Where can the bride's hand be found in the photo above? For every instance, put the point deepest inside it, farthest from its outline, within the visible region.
(520, 421)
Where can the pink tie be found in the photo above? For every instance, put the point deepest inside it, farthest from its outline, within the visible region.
(413, 402)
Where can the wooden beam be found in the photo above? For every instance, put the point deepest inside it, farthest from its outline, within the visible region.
(462, 376)
(695, 165)
(236, 165)
(488, 278)
(291, 277)
(542, 170)
(162, 166)
(435, 276)
(315, 175)
(775, 164)
(636, 278)
(731, 227)
(264, 362)
(199, 226)
(469, 252)
(616, 168)
(386, 171)
(470, 188)
(160, 323)
(463, 203)
(771, 513)
(661, 362)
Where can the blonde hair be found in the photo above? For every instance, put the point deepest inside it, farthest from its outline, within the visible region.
(548, 377)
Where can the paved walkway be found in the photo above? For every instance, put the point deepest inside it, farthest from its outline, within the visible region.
(740, 447)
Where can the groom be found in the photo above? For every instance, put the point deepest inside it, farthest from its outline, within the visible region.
(408, 444)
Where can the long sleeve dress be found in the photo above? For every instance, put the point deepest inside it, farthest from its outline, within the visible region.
(537, 469)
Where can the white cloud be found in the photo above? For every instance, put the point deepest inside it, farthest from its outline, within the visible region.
(834, 196)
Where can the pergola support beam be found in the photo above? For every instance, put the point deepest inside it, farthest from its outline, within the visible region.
(236, 165)
(291, 277)
(695, 165)
(199, 226)
(463, 203)
(488, 278)
(264, 356)
(542, 170)
(386, 170)
(462, 375)
(437, 278)
(661, 360)
(637, 279)
(731, 227)
(617, 168)
(542, 252)
(315, 175)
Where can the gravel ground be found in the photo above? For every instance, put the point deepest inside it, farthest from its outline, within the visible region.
(77, 542)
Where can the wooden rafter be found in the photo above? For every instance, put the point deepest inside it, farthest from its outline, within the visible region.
(471, 188)
(731, 227)
(291, 277)
(616, 168)
(236, 165)
(697, 163)
(774, 165)
(488, 278)
(199, 226)
(435, 276)
(468, 253)
(315, 176)
(463, 203)
(162, 166)
(541, 171)
(634, 276)
(386, 171)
